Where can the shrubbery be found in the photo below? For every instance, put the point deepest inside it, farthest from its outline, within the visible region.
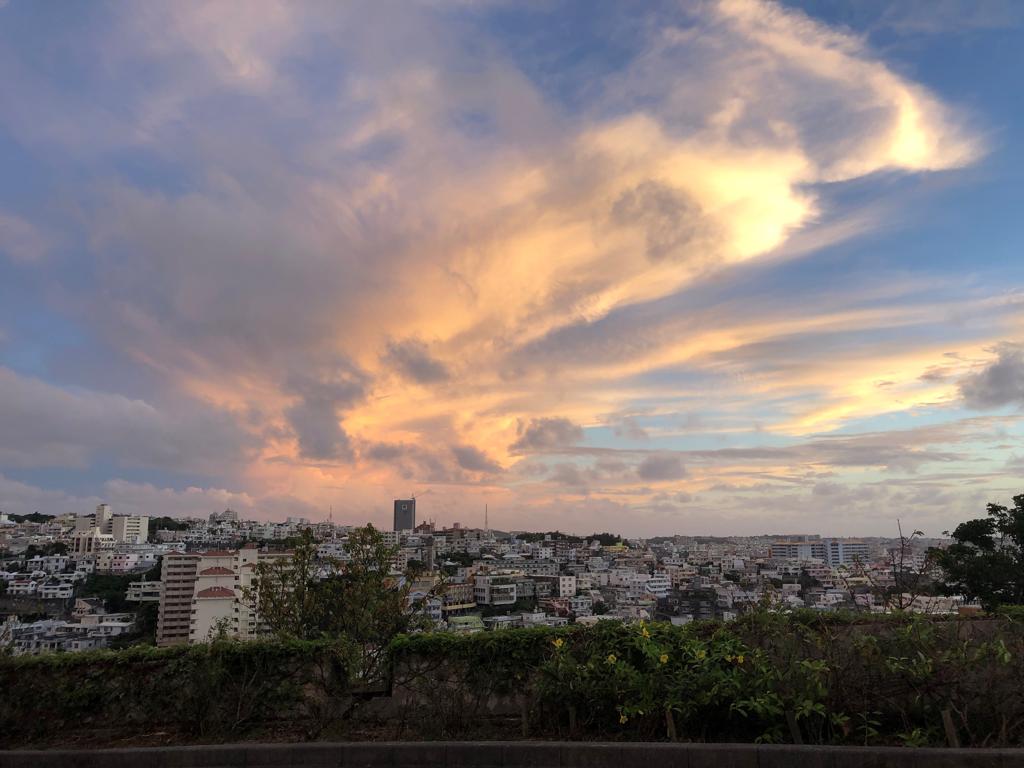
(198, 692)
(766, 678)
(770, 678)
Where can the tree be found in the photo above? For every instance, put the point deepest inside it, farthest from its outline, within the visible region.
(358, 599)
(986, 559)
(165, 524)
(35, 517)
(286, 593)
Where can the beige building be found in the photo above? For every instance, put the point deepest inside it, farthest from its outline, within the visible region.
(178, 576)
(204, 594)
(103, 530)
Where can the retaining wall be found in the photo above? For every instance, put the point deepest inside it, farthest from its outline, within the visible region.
(498, 754)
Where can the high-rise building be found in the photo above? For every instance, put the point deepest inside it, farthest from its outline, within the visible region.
(204, 593)
(405, 514)
(178, 575)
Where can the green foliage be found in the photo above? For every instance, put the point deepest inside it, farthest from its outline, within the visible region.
(358, 601)
(463, 559)
(146, 615)
(52, 548)
(606, 539)
(986, 559)
(110, 587)
(34, 517)
(555, 536)
(768, 678)
(167, 524)
(220, 690)
(113, 588)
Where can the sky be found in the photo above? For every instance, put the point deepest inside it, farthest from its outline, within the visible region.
(704, 268)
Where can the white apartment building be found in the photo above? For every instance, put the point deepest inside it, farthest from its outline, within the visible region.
(834, 552)
(59, 591)
(498, 588)
(659, 585)
(48, 563)
(203, 593)
(129, 529)
(103, 528)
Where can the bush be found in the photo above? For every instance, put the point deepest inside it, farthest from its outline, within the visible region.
(768, 678)
(203, 691)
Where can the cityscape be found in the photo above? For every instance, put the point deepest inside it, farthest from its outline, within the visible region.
(511, 383)
(199, 574)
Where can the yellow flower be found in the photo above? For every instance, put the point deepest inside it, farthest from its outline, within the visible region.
(644, 632)
(701, 655)
(739, 659)
(622, 719)
(663, 658)
(558, 642)
(729, 658)
(611, 658)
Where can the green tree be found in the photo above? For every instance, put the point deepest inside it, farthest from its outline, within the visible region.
(358, 598)
(165, 524)
(286, 593)
(986, 559)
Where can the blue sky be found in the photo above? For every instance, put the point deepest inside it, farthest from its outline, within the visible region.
(711, 267)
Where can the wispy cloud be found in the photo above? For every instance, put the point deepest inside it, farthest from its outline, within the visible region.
(366, 247)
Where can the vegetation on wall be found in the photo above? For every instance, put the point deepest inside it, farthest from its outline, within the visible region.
(768, 678)
(771, 678)
(220, 690)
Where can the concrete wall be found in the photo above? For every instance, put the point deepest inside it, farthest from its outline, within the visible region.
(514, 755)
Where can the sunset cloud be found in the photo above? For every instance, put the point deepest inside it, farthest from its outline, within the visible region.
(324, 255)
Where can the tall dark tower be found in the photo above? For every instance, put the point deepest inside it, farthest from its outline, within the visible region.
(405, 514)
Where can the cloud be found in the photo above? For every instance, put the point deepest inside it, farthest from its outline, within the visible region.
(630, 428)
(474, 459)
(661, 467)
(282, 243)
(412, 359)
(20, 240)
(671, 221)
(998, 383)
(546, 434)
(42, 425)
(316, 417)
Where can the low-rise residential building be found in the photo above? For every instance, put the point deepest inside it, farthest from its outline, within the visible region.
(144, 591)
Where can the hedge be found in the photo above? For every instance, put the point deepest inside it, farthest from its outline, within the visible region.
(767, 678)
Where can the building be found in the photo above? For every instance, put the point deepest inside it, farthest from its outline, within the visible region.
(144, 592)
(457, 599)
(834, 552)
(129, 529)
(227, 516)
(103, 529)
(798, 550)
(496, 588)
(845, 552)
(204, 594)
(178, 576)
(405, 515)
